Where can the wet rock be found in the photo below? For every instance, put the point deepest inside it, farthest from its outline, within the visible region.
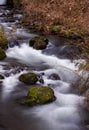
(13, 43)
(70, 52)
(38, 42)
(54, 77)
(3, 42)
(40, 78)
(1, 76)
(38, 95)
(28, 78)
(2, 54)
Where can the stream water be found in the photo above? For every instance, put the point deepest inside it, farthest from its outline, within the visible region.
(2, 2)
(66, 113)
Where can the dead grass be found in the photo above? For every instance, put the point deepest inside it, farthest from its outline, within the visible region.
(70, 13)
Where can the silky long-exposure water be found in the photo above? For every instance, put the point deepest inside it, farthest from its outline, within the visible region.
(66, 113)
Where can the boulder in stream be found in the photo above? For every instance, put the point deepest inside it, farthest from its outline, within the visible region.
(1, 76)
(2, 54)
(38, 95)
(38, 42)
(28, 78)
(54, 76)
(3, 42)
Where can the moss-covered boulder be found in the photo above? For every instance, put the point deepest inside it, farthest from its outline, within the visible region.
(2, 54)
(38, 95)
(1, 76)
(28, 78)
(3, 42)
(38, 42)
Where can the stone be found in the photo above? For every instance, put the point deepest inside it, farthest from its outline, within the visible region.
(38, 95)
(54, 76)
(1, 76)
(2, 54)
(38, 42)
(28, 78)
(3, 42)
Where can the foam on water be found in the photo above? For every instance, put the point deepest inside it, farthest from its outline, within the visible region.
(29, 55)
(2, 2)
(9, 84)
(23, 33)
(63, 114)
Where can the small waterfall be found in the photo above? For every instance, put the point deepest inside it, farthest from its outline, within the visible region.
(2, 2)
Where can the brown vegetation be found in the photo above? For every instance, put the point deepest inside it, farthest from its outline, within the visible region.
(66, 18)
(70, 14)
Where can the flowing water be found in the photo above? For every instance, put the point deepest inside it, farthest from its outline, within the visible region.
(66, 113)
(2, 2)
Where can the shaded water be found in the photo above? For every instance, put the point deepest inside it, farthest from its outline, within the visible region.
(66, 113)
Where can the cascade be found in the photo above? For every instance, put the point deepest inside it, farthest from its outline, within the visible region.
(2, 2)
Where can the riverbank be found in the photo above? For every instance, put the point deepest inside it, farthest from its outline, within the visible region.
(68, 20)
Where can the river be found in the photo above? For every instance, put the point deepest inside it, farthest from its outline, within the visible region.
(66, 113)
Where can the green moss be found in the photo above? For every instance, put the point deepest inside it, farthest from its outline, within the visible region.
(38, 95)
(3, 42)
(69, 33)
(55, 29)
(78, 34)
(40, 45)
(33, 41)
(41, 94)
(28, 78)
(38, 42)
(2, 54)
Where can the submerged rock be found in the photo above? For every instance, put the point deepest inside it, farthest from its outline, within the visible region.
(54, 76)
(38, 95)
(28, 78)
(38, 42)
(40, 78)
(2, 54)
(12, 43)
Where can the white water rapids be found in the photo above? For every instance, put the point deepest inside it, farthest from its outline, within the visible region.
(2, 2)
(63, 114)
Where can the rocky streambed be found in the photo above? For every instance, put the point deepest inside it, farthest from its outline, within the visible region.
(66, 110)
